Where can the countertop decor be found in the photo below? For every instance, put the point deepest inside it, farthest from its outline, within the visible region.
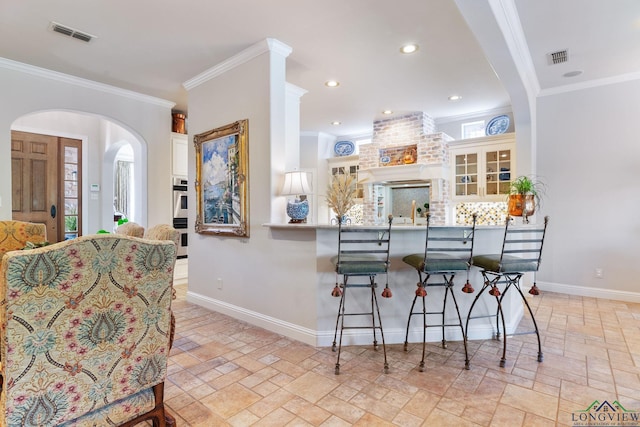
(341, 194)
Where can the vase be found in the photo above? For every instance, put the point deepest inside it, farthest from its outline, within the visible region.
(521, 204)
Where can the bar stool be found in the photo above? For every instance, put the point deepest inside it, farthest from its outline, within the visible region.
(521, 253)
(362, 252)
(446, 252)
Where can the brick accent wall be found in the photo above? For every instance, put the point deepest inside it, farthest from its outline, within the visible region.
(433, 148)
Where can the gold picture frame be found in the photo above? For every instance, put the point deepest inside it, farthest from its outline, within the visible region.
(222, 180)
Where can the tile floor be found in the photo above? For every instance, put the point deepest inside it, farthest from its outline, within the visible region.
(224, 372)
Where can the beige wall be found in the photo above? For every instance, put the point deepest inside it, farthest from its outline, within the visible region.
(268, 278)
(26, 90)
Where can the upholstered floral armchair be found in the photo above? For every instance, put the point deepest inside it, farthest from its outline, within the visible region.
(130, 229)
(14, 235)
(85, 334)
(163, 232)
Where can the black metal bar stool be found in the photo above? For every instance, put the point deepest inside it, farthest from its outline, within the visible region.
(446, 252)
(521, 253)
(362, 252)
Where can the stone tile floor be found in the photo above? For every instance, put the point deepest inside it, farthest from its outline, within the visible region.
(224, 372)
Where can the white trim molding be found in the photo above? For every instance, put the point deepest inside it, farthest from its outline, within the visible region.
(78, 81)
(585, 291)
(263, 46)
(477, 330)
(290, 330)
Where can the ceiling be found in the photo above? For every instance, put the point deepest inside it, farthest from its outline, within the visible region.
(153, 46)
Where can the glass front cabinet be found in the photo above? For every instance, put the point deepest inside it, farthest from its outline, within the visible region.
(483, 168)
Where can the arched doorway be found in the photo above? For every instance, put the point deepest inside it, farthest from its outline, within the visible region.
(101, 140)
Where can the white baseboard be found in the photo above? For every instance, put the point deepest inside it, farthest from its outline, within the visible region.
(477, 330)
(290, 330)
(585, 291)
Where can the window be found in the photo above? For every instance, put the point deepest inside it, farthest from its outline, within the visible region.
(360, 142)
(473, 129)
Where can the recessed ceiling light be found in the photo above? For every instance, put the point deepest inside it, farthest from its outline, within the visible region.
(409, 48)
(387, 112)
(455, 98)
(332, 83)
(573, 73)
(336, 123)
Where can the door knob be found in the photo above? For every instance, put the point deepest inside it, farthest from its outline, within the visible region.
(53, 211)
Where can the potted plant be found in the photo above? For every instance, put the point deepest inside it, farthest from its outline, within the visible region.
(524, 196)
(426, 209)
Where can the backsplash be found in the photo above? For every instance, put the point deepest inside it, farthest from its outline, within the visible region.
(494, 213)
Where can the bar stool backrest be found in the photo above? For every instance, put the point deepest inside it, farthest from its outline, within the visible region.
(363, 251)
(445, 250)
(522, 247)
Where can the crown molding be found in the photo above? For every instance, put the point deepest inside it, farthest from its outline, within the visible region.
(473, 115)
(588, 84)
(295, 90)
(78, 81)
(263, 46)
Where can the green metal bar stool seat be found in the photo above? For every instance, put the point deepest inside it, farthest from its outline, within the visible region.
(521, 253)
(363, 252)
(445, 254)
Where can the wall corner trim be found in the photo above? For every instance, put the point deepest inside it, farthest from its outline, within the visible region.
(78, 81)
(263, 46)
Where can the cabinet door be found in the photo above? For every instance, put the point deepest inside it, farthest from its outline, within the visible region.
(498, 168)
(349, 168)
(466, 174)
(483, 172)
(179, 155)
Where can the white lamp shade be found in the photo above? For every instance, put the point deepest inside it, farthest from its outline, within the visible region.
(295, 183)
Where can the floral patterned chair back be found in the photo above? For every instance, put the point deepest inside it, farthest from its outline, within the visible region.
(14, 235)
(85, 334)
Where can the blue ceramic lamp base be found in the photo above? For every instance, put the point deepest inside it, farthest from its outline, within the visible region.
(298, 211)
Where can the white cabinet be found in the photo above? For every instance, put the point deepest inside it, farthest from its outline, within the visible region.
(483, 168)
(347, 165)
(179, 154)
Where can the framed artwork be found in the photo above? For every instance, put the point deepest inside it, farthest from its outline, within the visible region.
(222, 180)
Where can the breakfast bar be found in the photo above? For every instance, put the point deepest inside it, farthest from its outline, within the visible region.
(405, 239)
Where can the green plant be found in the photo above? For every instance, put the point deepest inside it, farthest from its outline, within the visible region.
(426, 206)
(419, 210)
(70, 223)
(524, 185)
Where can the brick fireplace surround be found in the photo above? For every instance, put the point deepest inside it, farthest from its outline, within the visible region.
(432, 149)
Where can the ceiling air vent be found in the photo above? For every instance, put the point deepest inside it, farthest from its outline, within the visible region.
(558, 57)
(71, 32)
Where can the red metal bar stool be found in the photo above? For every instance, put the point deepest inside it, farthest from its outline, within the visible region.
(521, 253)
(446, 253)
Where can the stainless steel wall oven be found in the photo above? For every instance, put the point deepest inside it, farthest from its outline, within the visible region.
(180, 214)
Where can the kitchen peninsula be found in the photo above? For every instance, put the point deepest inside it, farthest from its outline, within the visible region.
(406, 165)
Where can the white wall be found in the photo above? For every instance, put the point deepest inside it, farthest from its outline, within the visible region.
(452, 126)
(589, 158)
(26, 90)
(268, 278)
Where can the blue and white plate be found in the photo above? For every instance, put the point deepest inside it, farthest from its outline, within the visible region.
(498, 125)
(344, 148)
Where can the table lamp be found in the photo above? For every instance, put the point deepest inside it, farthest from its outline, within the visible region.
(296, 184)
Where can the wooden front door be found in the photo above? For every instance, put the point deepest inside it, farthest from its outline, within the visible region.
(45, 177)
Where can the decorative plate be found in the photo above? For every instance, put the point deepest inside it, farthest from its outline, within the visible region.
(498, 125)
(344, 148)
